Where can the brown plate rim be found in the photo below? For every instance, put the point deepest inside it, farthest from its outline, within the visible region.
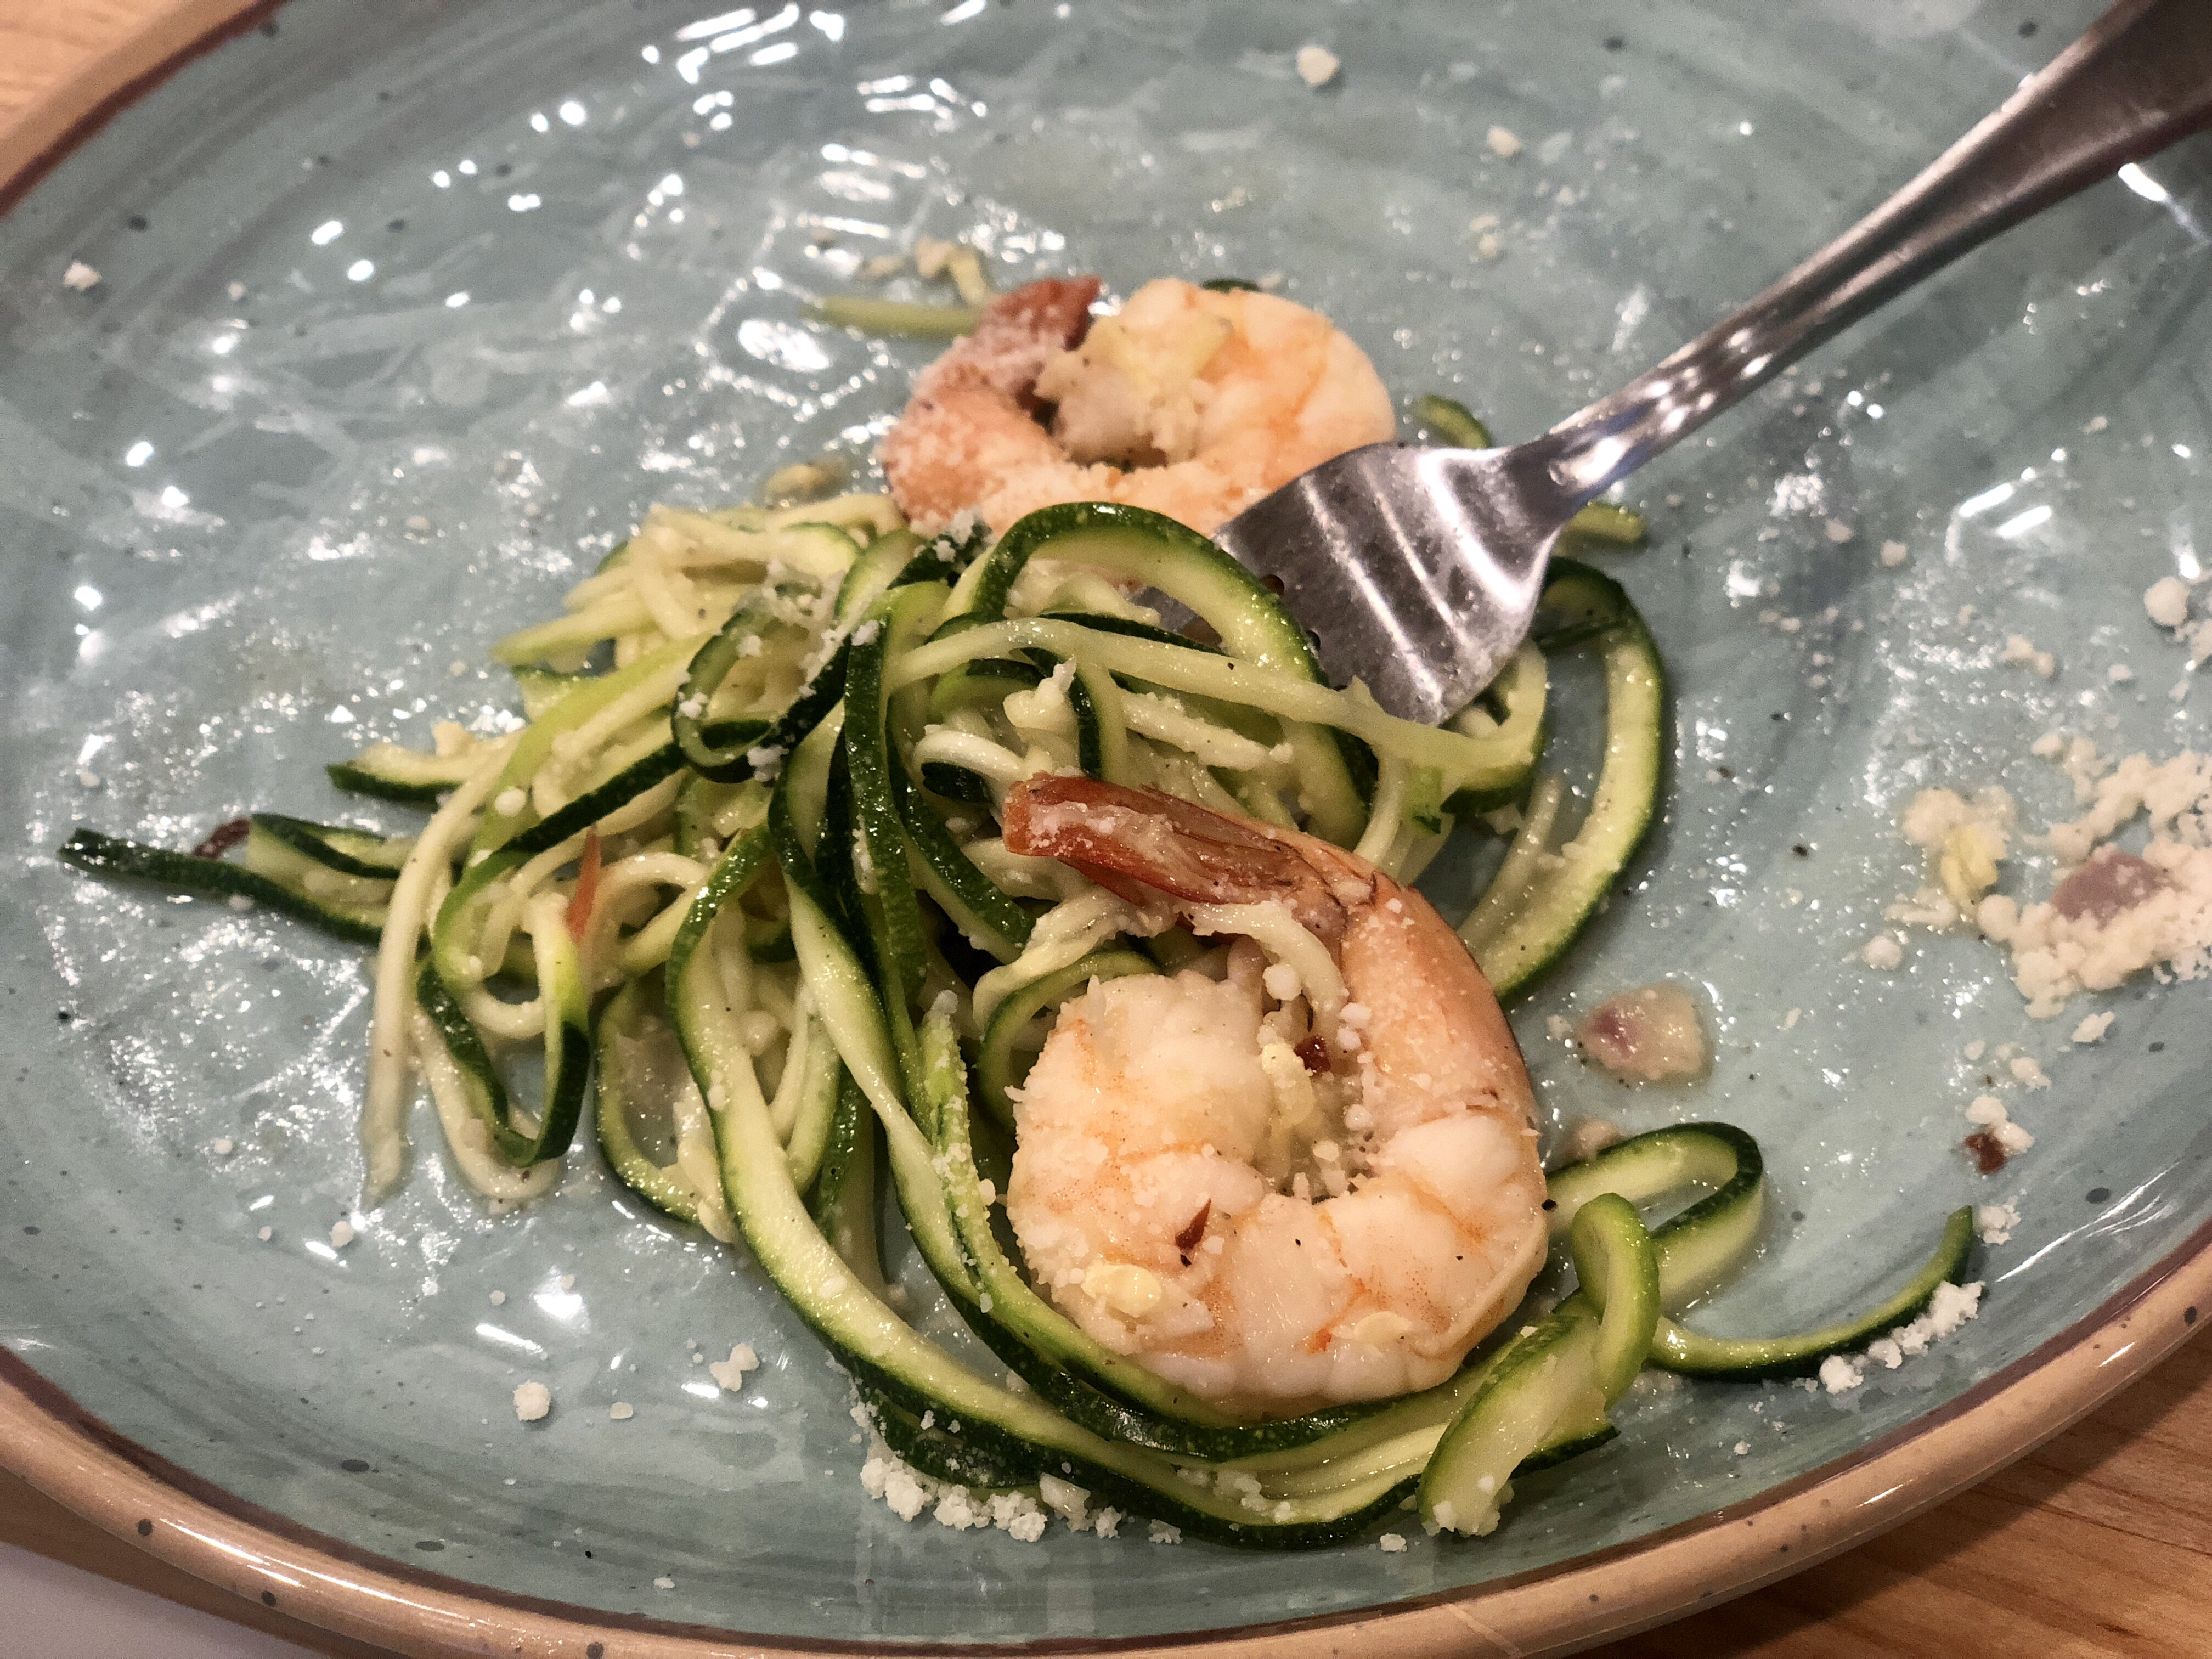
(82, 1462)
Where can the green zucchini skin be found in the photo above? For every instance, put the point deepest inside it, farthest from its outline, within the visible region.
(388, 772)
(609, 1117)
(1583, 604)
(110, 858)
(1162, 553)
(1751, 1358)
(567, 1056)
(1706, 1241)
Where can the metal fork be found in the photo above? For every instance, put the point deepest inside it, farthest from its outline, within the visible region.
(1419, 570)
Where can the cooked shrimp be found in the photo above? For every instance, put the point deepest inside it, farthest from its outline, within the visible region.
(1315, 1180)
(1190, 403)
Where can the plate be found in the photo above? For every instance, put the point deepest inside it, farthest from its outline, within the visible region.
(406, 316)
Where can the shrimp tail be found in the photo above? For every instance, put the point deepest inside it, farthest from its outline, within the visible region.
(976, 414)
(1017, 332)
(1139, 843)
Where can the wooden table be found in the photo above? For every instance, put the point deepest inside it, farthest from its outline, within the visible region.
(2098, 1543)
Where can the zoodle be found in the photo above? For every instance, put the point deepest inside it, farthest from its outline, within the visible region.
(827, 848)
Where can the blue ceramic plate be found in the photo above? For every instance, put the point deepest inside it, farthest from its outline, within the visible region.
(407, 313)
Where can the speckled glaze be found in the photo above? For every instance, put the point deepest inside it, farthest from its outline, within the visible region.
(407, 314)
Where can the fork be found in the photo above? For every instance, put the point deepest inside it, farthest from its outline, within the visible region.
(1419, 570)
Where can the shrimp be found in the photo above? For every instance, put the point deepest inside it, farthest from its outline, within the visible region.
(1190, 403)
(1313, 1181)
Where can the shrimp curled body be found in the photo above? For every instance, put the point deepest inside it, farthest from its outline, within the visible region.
(1189, 402)
(1276, 1191)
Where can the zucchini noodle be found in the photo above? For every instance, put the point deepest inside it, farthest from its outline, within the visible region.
(743, 865)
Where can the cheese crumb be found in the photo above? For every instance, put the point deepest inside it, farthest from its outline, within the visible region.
(341, 1234)
(2092, 1029)
(266, 1234)
(2029, 1070)
(1882, 953)
(1391, 1543)
(664, 1583)
(1743, 1448)
(533, 1401)
(2021, 651)
(1503, 144)
(2167, 600)
(622, 1410)
(1994, 1222)
(1317, 65)
(80, 276)
(1838, 531)
(498, 1298)
(222, 1146)
(1160, 1532)
(1894, 554)
(729, 1374)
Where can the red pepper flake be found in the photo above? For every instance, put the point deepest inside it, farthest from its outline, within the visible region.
(223, 837)
(1315, 1053)
(1187, 1239)
(1988, 1155)
(587, 888)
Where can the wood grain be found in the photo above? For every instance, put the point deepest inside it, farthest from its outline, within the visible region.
(2096, 1546)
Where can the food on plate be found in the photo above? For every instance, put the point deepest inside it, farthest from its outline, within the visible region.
(1312, 1181)
(1648, 1035)
(900, 844)
(1187, 401)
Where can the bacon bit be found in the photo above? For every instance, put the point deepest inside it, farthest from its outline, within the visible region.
(1187, 1240)
(587, 888)
(2110, 883)
(1315, 1053)
(223, 837)
(1989, 1156)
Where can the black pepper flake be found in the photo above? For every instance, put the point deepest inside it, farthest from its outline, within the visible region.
(269, 1597)
(1551, 1203)
(355, 1465)
(137, 222)
(2028, 29)
(397, 224)
(146, 1528)
(502, 169)
(1801, 850)
(2098, 1194)
(1615, 43)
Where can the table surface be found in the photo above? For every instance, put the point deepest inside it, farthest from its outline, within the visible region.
(2098, 1543)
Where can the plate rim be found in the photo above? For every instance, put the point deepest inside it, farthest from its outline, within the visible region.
(78, 1460)
(81, 1461)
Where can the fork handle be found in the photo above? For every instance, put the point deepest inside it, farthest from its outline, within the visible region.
(2139, 80)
